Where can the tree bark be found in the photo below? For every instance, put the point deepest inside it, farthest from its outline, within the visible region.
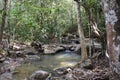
(81, 33)
(3, 19)
(111, 9)
(8, 20)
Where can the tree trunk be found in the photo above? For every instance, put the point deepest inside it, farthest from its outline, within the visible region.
(8, 20)
(111, 9)
(3, 19)
(94, 26)
(81, 34)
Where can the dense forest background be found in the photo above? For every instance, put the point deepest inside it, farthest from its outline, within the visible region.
(47, 19)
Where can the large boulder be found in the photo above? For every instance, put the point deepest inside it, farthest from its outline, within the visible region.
(39, 75)
(52, 48)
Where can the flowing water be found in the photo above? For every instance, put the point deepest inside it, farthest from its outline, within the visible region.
(47, 63)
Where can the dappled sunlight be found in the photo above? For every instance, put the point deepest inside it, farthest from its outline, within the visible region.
(67, 63)
(64, 56)
(60, 57)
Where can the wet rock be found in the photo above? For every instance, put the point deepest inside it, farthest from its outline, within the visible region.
(15, 54)
(8, 65)
(75, 41)
(6, 76)
(58, 49)
(19, 60)
(32, 58)
(62, 70)
(31, 55)
(39, 75)
(30, 51)
(2, 58)
(50, 49)
(37, 45)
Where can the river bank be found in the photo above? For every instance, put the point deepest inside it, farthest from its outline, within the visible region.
(26, 60)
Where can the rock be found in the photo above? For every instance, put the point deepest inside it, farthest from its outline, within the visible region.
(94, 49)
(39, 75)
(17, 46)
(50, 49)
(75, 41)
(68, 48)
(62, 70)
(19, 60)
(15, 54)
(78, 72)
(30, 51)
(2, 58)
(9, 65)
(6, 76)
(58, 49)
(37, 45)
(32, 58)
(68, 73)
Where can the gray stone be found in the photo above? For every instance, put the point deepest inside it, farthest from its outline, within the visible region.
(52, 48)
(39, 75)
(62, 70)
(6, 76)
(32, 58)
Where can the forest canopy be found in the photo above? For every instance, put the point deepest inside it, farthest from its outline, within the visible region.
(47, 19)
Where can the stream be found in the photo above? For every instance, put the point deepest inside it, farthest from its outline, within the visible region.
(47, 63)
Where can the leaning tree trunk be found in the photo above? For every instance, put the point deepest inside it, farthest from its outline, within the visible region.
(81, 34)
(3, 19)
(111, 9)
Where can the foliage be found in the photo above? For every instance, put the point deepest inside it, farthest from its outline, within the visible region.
(97, 13)
(46, 19)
